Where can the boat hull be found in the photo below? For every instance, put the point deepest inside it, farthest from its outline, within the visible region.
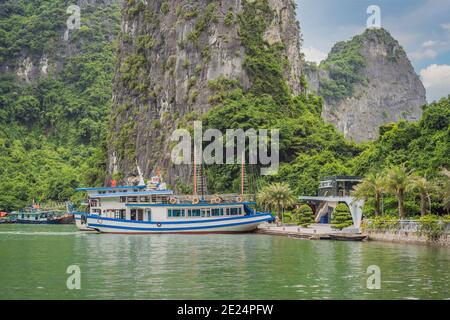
(69, 219)
(81, 221)
(347, 237)
(239, 224)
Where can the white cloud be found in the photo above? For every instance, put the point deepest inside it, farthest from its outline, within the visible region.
(313, 54)
(429, 43)
(436, 79)
(427, 53)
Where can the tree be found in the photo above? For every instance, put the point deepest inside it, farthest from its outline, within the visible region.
(341, 217)
(425, 187)
(372, 186)
(277, 196)
(446, 189)
(304, 215)
(398, 181)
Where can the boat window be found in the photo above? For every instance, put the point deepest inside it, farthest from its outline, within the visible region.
(234, 211)
(144, 199)
(132, 199)
(149, 214)
(123, 199)
(119, 214)
(174, 213)
(194, 213)
(217, 212)
(206, 212)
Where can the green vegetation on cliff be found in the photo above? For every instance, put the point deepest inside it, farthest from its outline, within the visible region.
(422, 147)
(53, 128)
(309, 148)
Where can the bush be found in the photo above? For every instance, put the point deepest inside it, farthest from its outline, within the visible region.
(288, 217)
(382, 223)
(304, 216)
(341, 217)
(431, 226)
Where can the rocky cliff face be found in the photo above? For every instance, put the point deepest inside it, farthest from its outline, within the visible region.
(169, 53)
(366, 82)
(45, 49)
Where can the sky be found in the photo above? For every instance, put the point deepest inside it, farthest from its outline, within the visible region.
(422, 27)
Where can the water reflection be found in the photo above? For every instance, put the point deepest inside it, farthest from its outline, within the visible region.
(213, 267)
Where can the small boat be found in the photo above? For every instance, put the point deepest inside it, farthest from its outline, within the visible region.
(347, 236)
(34, 215)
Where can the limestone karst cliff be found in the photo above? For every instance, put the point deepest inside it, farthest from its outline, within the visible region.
(366, 82)
(45, 44)
(170, 52)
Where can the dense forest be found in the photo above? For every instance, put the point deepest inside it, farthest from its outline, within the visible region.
(53, 129)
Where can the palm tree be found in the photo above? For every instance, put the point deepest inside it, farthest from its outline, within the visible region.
(372, 185)
(277, 196)
(446, 189)
(425, 187)
(398, 180)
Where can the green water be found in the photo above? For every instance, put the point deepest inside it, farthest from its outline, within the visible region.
(34, 259)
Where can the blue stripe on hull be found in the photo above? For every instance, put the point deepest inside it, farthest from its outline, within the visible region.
(269, 217)
(177, 229)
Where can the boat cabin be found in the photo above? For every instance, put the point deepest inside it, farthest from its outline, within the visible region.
(138, 203)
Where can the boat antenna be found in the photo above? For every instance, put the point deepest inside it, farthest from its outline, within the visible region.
(195, 176)
(243, 173)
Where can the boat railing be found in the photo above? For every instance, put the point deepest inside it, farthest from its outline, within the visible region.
(213, 198)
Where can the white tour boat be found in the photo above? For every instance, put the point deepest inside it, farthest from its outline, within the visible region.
(154, 209)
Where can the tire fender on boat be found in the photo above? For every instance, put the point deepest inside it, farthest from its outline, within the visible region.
(216, 200)
(195, 200)
(173, 200)
(239, 199)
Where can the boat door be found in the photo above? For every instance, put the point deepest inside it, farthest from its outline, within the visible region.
(140, 215)
(149, 214)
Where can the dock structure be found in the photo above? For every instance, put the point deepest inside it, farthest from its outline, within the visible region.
(324, 203)
(332, 191)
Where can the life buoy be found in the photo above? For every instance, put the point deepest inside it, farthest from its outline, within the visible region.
(100, 221)
(239, 199)
(216, 200)
(173, 200)
(196, 200)
(159, 225)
